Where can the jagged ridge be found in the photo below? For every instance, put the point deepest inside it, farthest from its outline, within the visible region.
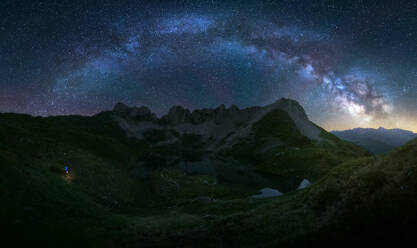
(217, 122)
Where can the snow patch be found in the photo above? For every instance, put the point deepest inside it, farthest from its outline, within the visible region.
(304, 184)
(267, 192)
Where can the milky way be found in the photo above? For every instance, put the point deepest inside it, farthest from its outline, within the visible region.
(348, 64)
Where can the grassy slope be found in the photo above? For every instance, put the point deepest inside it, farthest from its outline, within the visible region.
(371, 200)
(298, 157)
(34, 189)
(102, 204)
(40, 200)
(368, 201)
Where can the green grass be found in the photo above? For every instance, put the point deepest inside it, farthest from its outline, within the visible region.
(38, 197)
(356, 199)
(295, 156)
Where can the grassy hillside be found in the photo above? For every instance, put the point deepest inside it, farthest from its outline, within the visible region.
(101, 203)
(278, 148)
(369, 201)
(38, 196)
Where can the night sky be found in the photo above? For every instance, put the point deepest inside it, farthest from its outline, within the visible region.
(349, 63)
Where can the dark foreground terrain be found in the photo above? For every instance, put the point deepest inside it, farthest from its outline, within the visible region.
(125, 178)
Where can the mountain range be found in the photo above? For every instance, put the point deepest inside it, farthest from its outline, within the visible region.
(376, 141)
(255, 177)
(235, 144)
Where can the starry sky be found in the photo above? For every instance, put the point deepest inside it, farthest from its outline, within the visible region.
(349, 63)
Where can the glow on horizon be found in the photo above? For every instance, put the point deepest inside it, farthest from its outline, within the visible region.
(409, 123)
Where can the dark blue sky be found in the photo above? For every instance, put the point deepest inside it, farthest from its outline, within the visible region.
(349, 63)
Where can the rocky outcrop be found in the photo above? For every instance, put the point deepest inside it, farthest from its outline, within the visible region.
(297, 113)
(177, 115)
(133, 113)
(219, 125)
(231, 144)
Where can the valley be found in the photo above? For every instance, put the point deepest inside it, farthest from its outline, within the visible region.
(189, 178)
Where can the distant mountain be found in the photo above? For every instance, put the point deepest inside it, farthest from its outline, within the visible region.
(378, 140)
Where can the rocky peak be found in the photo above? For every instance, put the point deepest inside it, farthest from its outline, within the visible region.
(134, 113)
(220, 114)
(176, 114)
(120, 108)
(296, 112)
(223, 118)
(292, 107)
(179, 114)
(233, 108)
(202, 115)
(220, 109)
